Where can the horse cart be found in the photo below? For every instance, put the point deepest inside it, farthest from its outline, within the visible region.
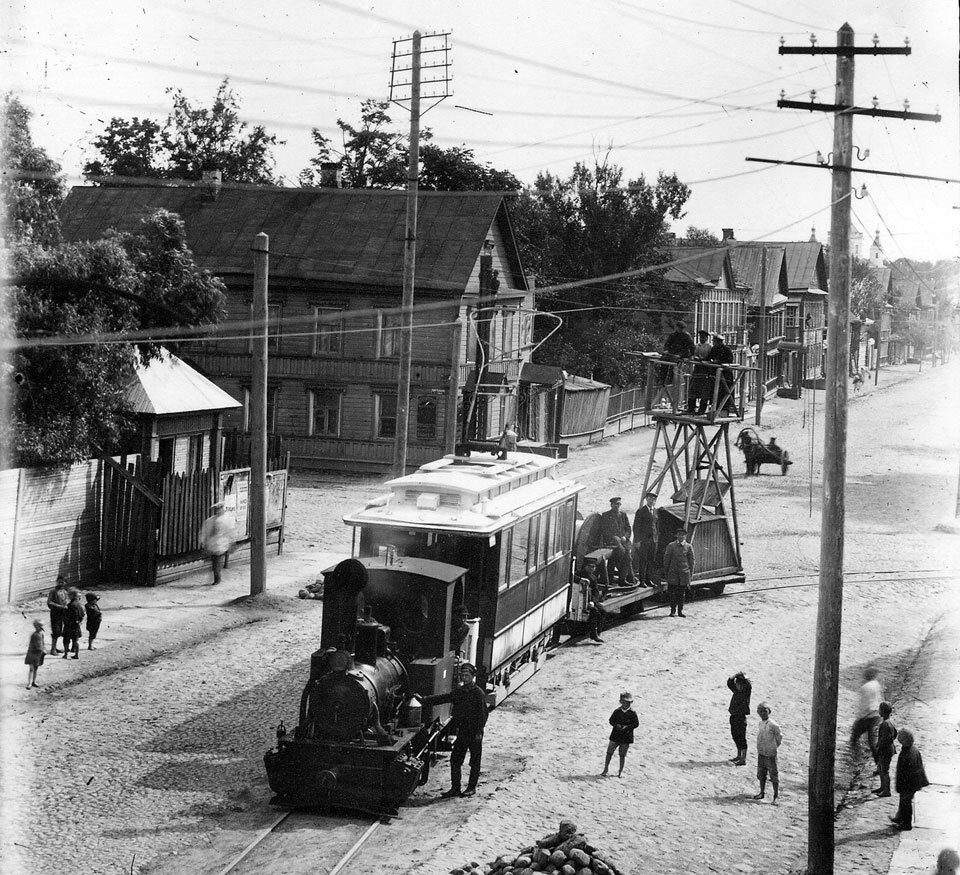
(757, 453)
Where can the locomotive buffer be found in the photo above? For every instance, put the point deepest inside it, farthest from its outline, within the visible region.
(690, 457)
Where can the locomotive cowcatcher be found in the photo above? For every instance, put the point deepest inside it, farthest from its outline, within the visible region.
(362, 742)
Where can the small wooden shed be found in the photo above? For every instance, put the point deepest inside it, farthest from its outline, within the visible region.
(179, 415)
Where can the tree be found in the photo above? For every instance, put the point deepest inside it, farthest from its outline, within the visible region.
(866, 293)
(193, 139)
(32, 185)
(701, 237)
(374, 155)
(590, 225)
(69, 404)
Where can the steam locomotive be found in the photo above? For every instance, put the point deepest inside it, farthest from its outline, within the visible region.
(362, 742)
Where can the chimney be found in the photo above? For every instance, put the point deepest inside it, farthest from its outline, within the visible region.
(212, 181)
(331, 174)
(727, 235)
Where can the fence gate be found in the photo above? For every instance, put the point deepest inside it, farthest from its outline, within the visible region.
(128, 533)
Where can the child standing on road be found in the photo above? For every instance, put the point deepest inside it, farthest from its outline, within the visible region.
(911, 778)
(768, 741)
(740, 687)
(623, 720)
(35, 650)
(94, 618)
(886, 736)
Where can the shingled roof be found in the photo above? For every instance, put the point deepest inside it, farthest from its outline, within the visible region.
(802, 259)
(324, 234)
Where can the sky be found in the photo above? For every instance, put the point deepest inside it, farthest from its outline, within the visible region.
(538, 85)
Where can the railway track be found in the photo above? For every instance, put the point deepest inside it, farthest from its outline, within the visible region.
(298, 843)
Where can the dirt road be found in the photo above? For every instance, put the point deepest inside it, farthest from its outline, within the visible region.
(155, 767)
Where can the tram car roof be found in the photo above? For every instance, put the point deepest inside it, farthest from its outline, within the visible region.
(476, 494)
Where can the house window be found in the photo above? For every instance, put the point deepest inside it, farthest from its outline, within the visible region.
(323, 413)
(272, 395)
(388, 335)
(427, 418)
(385, 414)
(195, 453)
(165, 454)
(274, 313)
(328, 332)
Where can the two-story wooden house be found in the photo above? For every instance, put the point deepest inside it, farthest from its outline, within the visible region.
(335, 289)
(721, 305)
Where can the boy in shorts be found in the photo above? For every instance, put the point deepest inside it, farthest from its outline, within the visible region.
(768, 741)
(623, 720)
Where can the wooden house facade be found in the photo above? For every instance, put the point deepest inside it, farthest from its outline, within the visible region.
(335, 289)
(721, 305)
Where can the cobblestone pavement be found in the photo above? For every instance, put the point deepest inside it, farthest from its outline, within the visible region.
(146, 755)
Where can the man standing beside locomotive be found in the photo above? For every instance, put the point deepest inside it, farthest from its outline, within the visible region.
(615, 533)
(678, 569)
(646, 531)
(469, 716)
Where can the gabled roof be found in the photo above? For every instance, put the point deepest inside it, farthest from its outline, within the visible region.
(169, 385)
(883, 276)
(704, 265)
(747, 261)
(802, 261)
(338, 235)
(906, 289)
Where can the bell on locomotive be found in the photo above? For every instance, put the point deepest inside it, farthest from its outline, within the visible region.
(362, 740)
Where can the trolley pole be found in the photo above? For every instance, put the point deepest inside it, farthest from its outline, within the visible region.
(762, 354)
(258, 418)
(409, 267)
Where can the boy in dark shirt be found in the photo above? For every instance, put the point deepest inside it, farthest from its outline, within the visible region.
(886, 736)
(740, 686)
(623, 720)
(911, 778)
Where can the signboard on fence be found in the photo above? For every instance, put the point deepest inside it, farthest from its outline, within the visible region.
(276, 493)
(235, 490)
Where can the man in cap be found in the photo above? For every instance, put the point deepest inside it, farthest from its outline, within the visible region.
(721, 354)
(216, 538)
(469, 716)
(615, 533)
(678, 569)
(679, 343)
(646, 532)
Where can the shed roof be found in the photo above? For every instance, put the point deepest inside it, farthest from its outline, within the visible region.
(169, 385)
(340, 235)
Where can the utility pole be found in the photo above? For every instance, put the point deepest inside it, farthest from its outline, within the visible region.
(258, 418)
(823, 722)
(410, 235)
(762, 355)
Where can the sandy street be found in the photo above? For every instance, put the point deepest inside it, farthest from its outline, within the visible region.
(154, 765)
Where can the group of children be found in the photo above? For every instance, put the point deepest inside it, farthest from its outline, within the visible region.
(910, 775)
(66, 618)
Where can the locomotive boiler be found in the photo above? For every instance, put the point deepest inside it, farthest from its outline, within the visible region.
(361, 742)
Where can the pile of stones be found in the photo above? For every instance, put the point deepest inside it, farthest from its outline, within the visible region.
(566, 852)
(313, 590)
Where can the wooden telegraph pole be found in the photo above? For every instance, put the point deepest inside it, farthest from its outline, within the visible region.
(409, 266)
(762, 355)
(823, 721)
(410, 237)
(258, 418)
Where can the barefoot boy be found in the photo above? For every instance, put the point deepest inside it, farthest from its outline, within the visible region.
(768, 741)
